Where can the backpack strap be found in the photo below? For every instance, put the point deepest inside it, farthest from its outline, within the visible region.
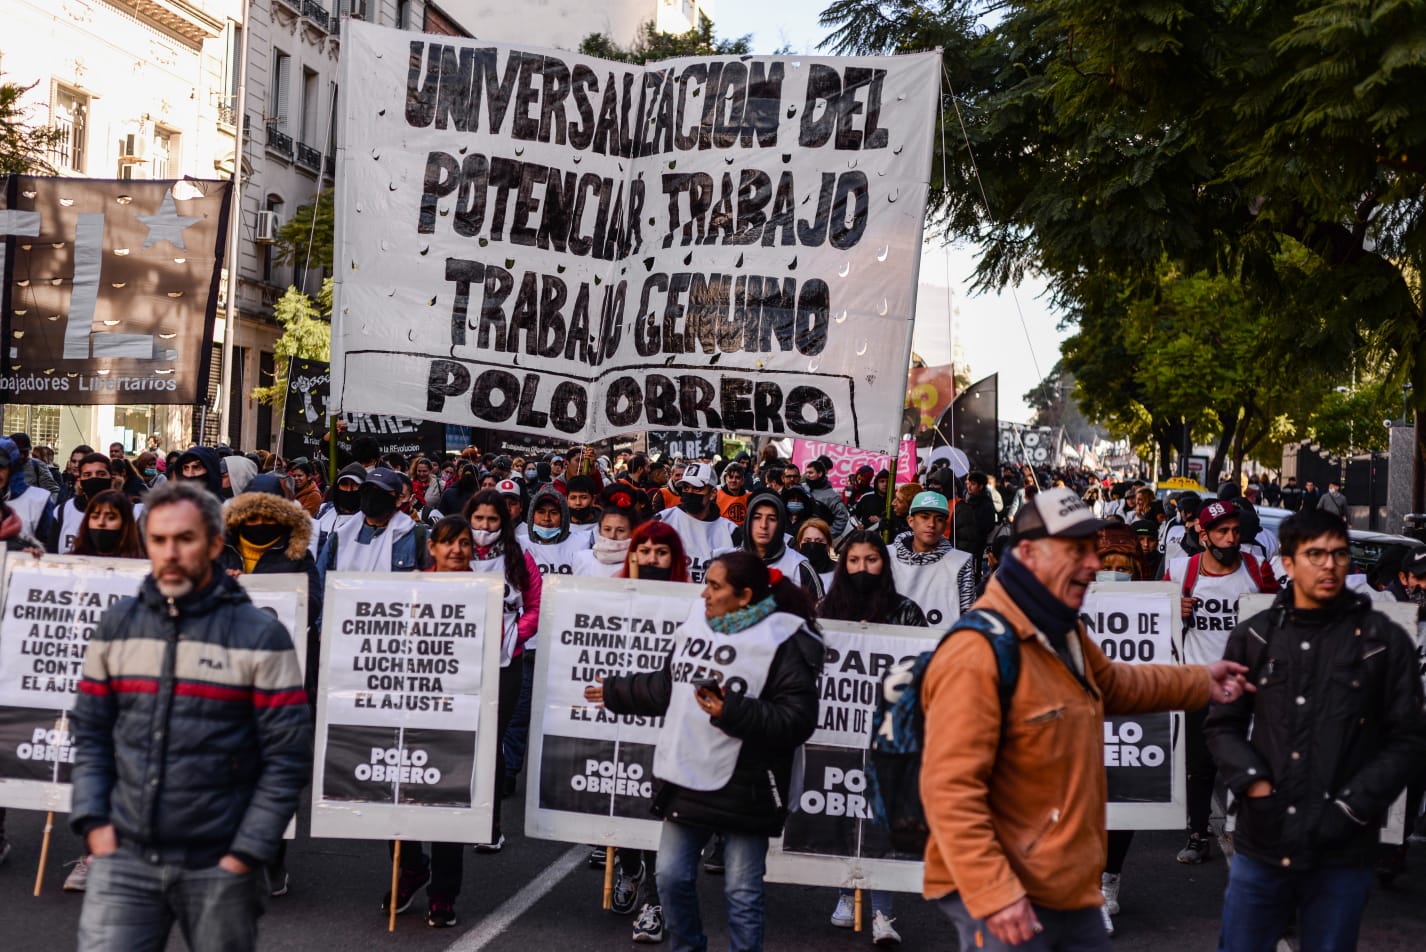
(1004, 642)
(1255, 569)
(1190, 575)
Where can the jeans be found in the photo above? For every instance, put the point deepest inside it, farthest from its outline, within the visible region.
(880, 900)
(515, 739)
(680, 854)
(1262, 899)
(130, 905)
(1073, 930)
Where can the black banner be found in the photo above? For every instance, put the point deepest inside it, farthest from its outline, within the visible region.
(833, 817)
(32, 744)
(110, 289)
(603, 778)
(678, 443)
(388, 765)
(971, 424)
(1138, 754)
(304, 421)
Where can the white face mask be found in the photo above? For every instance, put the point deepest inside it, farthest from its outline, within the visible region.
(1108, 575)
(610, 551)
(485, 537)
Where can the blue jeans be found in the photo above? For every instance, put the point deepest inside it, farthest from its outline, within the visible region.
(1262, 899)
(880, 900)
(1066, 930)
(680, 853)
(516, 738)
(130, 905)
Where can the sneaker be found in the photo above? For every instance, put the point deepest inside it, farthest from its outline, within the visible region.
(626, 891)
(714, 861)
(409, 883)
(881, 931)
(1109, 885)
(844, 916)
(649, 926)
(4, 849)
(597, 857)
(1108, 922)
(78, 876)
(1195, 851)
(441, 915)
(277, 882)
(495, 847)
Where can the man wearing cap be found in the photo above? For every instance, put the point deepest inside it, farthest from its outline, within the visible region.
(1015, 800)
(383, 539)
(703, 531)
(927, 569)
(1210, 582)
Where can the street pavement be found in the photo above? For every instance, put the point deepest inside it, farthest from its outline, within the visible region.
(540, 895)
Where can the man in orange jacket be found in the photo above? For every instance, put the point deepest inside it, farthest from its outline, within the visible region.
(1017, 825)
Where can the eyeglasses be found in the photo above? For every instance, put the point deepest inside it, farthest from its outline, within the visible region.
(1319, 557)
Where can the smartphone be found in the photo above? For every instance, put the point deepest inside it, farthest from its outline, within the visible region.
(710, 683)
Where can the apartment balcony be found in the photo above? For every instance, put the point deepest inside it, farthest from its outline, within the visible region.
(279, 142)
(309, 158)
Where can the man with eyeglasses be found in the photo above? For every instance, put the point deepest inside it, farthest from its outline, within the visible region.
(1317, 755)
(1211, 582)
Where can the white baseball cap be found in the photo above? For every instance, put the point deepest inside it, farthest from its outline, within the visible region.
(1058, 513)
(698, 475)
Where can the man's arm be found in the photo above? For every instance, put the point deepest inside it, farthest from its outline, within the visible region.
(92, 723)
(1142, 688)
(962, 704)
(965, 585)
(284, 736)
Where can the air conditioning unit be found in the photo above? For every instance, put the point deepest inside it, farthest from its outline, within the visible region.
(267, 225)
(132, 148)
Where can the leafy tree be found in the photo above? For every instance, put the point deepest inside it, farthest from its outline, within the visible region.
(651, 45)
(23, 146)
(306, 335)
(297, 233)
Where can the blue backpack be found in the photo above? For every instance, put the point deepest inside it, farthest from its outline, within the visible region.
(894, 761)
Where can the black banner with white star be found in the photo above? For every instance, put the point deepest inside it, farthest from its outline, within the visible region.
(110, 288)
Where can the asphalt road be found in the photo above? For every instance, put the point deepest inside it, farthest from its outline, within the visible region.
(540, 895)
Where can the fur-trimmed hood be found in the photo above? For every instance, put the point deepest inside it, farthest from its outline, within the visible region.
(284, 512)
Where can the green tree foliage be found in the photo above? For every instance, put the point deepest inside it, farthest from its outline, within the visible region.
(306, 335)
(23, 146)
(297, 234)
(651, 45)
(1255, 156)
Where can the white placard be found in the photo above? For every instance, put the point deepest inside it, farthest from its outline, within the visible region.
(405, 717)
(545, 242)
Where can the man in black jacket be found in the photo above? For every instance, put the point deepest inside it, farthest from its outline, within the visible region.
(1337, 731)
(192, 743)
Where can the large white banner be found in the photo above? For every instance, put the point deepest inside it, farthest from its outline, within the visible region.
(1139, 623)
(406, 712)
(545, 242)
(51, 608)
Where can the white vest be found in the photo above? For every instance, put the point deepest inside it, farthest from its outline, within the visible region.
(586, 564)
(1205, 635)
(934, 587)
(555, 558)
(701, 540)
(30, 507)
(71, 519)
(691, 751)
(512, 605)
(373, 556)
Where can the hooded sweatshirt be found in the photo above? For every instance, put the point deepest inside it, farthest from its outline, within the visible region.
(780, 555)
(555, 556)
(208, 456)
(241, 471)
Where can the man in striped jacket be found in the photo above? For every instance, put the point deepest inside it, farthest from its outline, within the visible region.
(193, 741)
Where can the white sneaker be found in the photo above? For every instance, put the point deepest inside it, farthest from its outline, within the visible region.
(1108, 922)
(881, 931)
(1109, 885)
(78, 876)
(844, 916)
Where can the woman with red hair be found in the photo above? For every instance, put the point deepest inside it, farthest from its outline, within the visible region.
(658, 551)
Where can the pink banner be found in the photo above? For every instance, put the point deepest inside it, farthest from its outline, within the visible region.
(846, 459)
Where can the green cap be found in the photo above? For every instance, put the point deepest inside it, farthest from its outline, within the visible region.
(929, 501)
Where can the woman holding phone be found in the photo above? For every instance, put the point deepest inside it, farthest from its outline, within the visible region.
(724, 754)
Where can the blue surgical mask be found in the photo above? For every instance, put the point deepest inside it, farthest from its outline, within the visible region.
(531, 473)
(795, 507)
(1108, 575)
(546, 533)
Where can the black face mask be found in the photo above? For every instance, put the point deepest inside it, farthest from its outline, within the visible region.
(89, 488)
(693, 504)
(581, 514)
(863, 583)
(377, 504)
(1228, 556)
(260, 535)
(466, 482)
(105, 540)
(346, 501)
(817, 554)
(655, 573)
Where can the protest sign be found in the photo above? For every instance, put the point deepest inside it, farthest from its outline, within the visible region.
(1139, 623)
(591, 778)
(51, 608)
(405, 720)
(543, 241)
(846, 460)
(830, 838)
(1393, 828)
(304, 421)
